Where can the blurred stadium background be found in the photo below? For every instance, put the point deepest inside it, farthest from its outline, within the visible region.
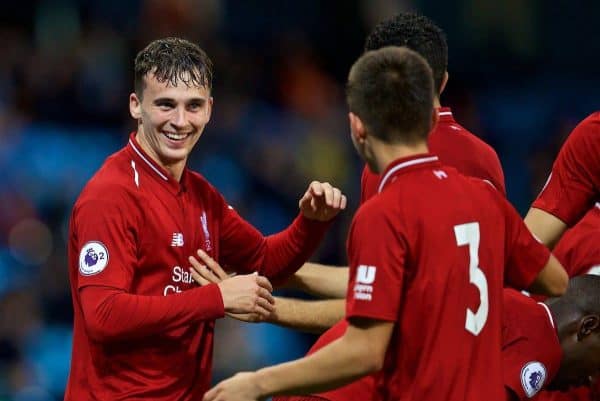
(522, 73)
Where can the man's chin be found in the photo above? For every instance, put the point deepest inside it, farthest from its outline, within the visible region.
(169, 156)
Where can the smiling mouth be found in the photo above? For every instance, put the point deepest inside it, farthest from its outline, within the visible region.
(176, 137)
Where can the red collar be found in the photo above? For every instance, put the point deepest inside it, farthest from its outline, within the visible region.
(154, 169)
(445, 114)
(404, 164)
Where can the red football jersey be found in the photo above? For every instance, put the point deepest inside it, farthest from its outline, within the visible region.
(456, 147)
(142, 328)
(578, 249)
(574, 184)
(444, 247)
(531, 351)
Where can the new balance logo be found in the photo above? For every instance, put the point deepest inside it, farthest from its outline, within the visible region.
(365, 276)
(177, 239)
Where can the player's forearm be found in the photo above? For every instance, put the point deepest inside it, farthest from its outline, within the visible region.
(320, 280)
(286, 251)
(552, 279)
(335, 365)
(112, 314)
(310, 316)
(545, 227)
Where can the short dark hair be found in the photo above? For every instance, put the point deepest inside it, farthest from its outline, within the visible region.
(173, 60)
(391, 91)
(418, 33)
(581, 298)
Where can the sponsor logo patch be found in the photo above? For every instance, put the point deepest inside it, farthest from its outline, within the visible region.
(365, 276)
(533, 376)
(93, 258)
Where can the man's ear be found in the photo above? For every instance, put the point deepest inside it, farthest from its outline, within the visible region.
(444, 82)
(211, 101)
(587, 325)
(357, 128)
(135, 106)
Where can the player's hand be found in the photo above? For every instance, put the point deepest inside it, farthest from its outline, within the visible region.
(241, 387)
(249, 293)
(245, 294)
(206, 271)
(321, 201)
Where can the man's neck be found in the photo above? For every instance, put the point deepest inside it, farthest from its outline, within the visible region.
(386, 153)
(436, 102)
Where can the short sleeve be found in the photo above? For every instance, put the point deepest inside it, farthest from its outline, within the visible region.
(524, 374)
(572, 186)
(106, 246)
(525, 256)
(531, 353)
(376, 252)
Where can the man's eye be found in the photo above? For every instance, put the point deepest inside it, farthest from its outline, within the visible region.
(165, 106)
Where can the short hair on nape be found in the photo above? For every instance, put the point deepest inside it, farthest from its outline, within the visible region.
(391, 91)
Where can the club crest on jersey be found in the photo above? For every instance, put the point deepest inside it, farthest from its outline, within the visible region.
(533, 376)
(93, 258)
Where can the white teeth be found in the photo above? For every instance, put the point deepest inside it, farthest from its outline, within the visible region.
(176, 137)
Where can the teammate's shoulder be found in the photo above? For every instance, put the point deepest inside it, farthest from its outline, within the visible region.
(468, 138)
(483, 190)
(484, 184)
(373, 208)
(593, 118)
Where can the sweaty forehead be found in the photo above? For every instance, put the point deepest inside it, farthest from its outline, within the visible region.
(182, 89)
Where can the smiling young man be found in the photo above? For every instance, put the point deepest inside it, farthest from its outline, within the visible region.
(143, 329)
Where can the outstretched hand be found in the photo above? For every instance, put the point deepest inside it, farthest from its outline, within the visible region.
(207, 271)
(241, 387)
(321, 201)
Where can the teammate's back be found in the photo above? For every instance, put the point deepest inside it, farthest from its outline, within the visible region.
(458, 147)
(442, 286)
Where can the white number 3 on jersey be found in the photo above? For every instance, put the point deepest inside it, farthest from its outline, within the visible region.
(468, 234)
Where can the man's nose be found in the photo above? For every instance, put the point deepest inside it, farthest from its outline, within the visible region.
(179, 119)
